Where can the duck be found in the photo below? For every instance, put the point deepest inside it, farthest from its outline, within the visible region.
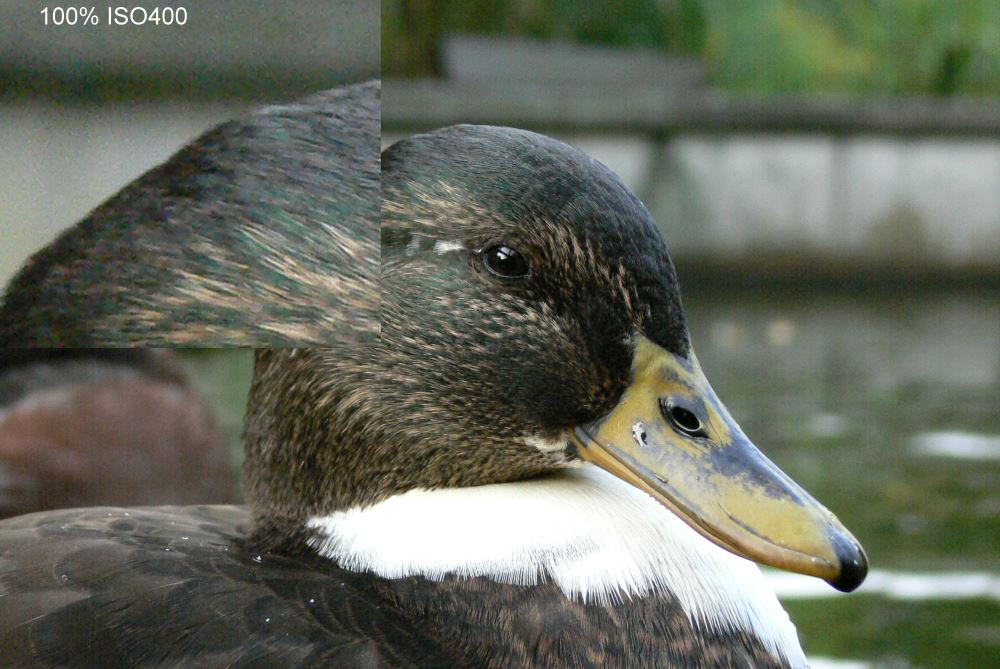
(227, 243)
(89, 427)
(527, 467)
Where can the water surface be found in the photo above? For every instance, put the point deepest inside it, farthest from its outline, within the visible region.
(887, 409)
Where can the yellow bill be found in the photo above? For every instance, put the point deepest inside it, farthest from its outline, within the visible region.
(672, 437)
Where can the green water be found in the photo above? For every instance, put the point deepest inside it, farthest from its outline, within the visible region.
(223, 378)
(840, 391)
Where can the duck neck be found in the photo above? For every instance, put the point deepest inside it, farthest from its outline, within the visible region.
(324, 432)
(582, 537)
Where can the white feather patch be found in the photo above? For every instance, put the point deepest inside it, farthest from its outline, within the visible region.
(442, 247)
(546, 445)
(597, 537)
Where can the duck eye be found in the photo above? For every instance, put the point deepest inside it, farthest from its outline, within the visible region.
(505, 261)
(684, 420)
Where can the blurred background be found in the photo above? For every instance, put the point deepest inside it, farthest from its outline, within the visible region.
(222, 379)
(85, 109)
(827, 174)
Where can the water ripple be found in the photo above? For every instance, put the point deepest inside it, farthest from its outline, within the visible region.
(893, 585)
(961, 445)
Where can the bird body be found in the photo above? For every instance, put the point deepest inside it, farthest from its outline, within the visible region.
(182, 586)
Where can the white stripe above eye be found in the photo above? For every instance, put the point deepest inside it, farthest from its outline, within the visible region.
(597, 537)
(442, 247)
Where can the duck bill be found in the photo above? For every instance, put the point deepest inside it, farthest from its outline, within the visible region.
(671, 437)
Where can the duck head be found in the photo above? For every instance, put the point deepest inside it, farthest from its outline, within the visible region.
(530, 320)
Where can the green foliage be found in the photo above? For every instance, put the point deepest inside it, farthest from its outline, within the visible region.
(901, 47)
(412, 29)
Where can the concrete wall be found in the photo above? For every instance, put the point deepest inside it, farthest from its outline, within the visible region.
(926, 202)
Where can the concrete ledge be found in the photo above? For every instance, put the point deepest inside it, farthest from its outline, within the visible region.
(516, 60)
(819, 273)
(422, 104)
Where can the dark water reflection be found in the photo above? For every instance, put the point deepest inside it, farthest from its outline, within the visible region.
(887, 409)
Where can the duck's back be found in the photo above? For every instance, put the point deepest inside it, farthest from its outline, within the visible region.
(176, 587)
(264, 231)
